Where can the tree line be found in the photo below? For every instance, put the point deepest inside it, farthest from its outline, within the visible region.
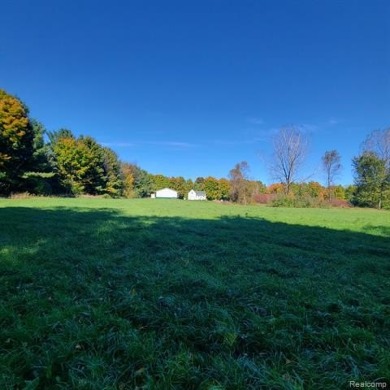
(371, 167)
(40, 162)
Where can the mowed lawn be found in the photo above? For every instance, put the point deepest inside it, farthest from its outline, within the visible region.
(169, 294)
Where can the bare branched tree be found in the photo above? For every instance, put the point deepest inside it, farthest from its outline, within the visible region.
(290, 147)
(238, 182)
(378, 142)
(331, 165)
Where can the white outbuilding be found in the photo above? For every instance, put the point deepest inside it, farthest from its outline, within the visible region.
(197, 195)
(166, 193)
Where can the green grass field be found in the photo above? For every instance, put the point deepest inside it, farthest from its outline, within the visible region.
(163, 294)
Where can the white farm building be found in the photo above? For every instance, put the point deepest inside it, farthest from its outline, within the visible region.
(166, 193)
(197, 195)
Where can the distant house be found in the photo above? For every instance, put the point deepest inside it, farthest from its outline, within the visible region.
(166, 193)
(197, 195)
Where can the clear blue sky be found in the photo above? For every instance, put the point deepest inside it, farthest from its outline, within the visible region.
(189, 88)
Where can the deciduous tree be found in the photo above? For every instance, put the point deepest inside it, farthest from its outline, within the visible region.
(141, 181)
(82, 165)
(159, 181)
(212, 188)
(16, 141)
(331, 166)
(127, 174)
(372, 180)
(289, 152)
(224, 189)
(378, 142)
(178, 184)
(238, 183)
(199, 184)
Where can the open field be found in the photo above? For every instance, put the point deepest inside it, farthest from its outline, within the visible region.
(164, 294)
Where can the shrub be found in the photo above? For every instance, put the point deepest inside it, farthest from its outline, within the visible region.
(264, 198)
(339, 203)
(283, 201)
(304, 201)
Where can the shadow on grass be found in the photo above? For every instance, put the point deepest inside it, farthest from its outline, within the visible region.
(97, 298)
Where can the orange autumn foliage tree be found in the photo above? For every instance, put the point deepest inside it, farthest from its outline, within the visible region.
(16, 141)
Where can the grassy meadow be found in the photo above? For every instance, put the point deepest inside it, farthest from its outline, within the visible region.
(169, 294)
